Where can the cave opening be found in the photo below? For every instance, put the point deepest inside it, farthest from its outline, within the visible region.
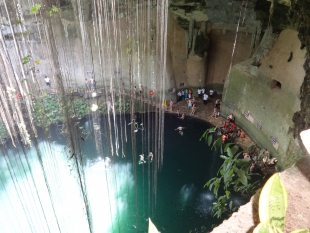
(275, 85)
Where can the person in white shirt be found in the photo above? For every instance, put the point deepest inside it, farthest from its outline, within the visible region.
(199, 93)
(179, 96)
(205, 98)
(211, 93)
(47, 81)
(203, 91)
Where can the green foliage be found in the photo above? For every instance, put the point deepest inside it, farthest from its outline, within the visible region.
(102, 108)
(234, 174)
(26, 59)
(46, 111)
(80, 108)
(272, 207)
(53, 10)
(212, 137)
(128, 51)
(18, 22)
(35, 8)
(220, 207)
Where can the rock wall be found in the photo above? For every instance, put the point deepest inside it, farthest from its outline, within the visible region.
(264, 96)
(222, 54)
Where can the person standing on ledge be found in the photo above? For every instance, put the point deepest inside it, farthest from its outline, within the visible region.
(205, 98)
(86, 85)
(203, 91)
(216, 108)
(47, 81)
(179, 96)
(211, 93)
(92, 84)
(199, 93)
(171, 105)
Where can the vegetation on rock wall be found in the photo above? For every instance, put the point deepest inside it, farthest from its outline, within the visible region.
(235, 175)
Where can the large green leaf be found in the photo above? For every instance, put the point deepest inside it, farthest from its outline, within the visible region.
(265, 228)
(234, 149)
(273, 202)
(210, 138)
(203, 136)
(300, 231)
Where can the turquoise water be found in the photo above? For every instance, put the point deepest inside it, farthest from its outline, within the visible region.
(120, 195)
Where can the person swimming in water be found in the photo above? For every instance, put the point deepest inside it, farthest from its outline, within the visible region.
(180, 128)
(182, 117)
(151, 156)
(142, 159)
(133, 121)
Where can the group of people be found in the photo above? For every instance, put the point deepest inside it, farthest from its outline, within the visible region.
(228, 127)
(141, 89)
(142, 160)
(184, 95)
(188, 94)
(264, 162)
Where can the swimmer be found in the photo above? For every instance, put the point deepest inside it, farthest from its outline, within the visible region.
(131, 122)
(182, 117)
(180, 128)
(151, 156)
(142, 159)
(137, 127)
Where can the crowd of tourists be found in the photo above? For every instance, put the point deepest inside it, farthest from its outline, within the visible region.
(188, 96)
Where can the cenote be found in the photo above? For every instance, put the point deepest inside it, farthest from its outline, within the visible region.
(119, 193)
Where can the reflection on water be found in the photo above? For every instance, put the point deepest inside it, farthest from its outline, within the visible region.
(187, 192)
(204, 204)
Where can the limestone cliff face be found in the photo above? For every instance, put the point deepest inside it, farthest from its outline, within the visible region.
(265, 97)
